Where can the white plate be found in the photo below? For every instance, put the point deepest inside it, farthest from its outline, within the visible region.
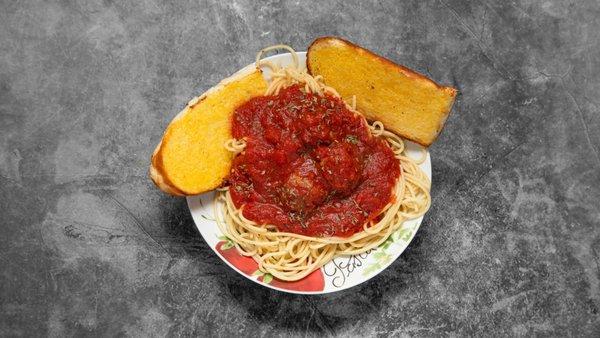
(341, 273)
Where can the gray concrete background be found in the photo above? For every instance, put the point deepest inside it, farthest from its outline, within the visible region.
(88, 246)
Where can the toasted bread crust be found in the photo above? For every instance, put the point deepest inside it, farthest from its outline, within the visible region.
(191, 158)
(396, 112)
(407, 71)
(157, 177)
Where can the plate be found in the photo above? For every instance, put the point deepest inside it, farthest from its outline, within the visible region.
(341, 273)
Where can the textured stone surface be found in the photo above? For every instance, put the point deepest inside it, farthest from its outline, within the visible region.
(88, 246)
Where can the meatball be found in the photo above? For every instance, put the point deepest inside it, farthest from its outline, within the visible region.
(304, 189)
(341, 166)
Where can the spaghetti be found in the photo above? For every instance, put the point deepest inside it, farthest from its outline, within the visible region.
(292, 256)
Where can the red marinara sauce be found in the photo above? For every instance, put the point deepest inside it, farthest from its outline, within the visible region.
(310, 165)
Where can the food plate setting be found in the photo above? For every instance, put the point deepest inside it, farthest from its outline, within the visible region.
(340, 273)
(307, 172)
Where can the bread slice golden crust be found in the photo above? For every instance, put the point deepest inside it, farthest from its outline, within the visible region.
(407, 103)
(191, 157)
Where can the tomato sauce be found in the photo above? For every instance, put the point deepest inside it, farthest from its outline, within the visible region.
(310, 165)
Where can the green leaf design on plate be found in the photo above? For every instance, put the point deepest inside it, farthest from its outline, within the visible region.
(208, 218)
(267, 278)
(228, 242)
(258, 273)
(379, 255)
(227, 245)
(385, 259)
(381, 258)
(371, 268)
(395, 235)
(387, 243)
(405, 234)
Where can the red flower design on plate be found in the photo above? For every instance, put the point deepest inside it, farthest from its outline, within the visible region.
(245, 264)
(313, 282)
